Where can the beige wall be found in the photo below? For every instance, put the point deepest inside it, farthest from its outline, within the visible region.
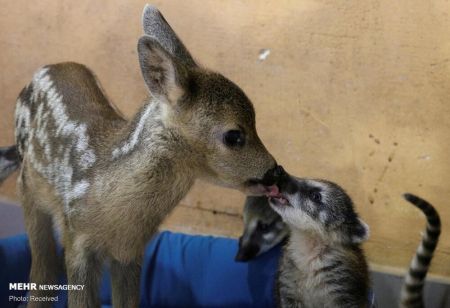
(353, 91)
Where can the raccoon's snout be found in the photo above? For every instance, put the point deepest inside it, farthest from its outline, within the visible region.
(246, 253)
(11, 153)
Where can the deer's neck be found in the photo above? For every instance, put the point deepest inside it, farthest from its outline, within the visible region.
(147, 170)
(146, 128)
(150, 163)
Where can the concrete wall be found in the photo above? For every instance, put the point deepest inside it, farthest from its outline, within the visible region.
(353, 91)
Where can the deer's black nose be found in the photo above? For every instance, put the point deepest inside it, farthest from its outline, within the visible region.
(279, 172)
(246, 253)
(274, 175)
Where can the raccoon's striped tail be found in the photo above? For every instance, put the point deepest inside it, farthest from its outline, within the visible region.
(412, 290)
(9, 161)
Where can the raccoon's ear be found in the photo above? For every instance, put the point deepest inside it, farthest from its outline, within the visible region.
(360, 232)
(162, 73)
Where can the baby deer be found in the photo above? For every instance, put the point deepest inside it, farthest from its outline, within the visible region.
(105, 182)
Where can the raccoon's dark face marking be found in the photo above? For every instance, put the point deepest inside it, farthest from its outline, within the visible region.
(11, 154)
(319, 206)
(9, 161)
(263, 229)
(259, 237)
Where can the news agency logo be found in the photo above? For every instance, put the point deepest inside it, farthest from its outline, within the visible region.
(28, 286)
(22, 286)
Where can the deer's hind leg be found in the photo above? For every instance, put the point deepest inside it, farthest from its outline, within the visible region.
(46, 265)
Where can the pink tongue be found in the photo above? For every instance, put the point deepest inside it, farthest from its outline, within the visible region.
(272, 191)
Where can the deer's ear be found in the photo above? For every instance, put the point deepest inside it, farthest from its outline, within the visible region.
(156, 26)
(162, 73)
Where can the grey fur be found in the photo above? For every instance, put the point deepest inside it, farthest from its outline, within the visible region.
(322, 263)
(263, 229)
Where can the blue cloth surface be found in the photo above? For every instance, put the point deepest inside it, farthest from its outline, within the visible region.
(178, 271)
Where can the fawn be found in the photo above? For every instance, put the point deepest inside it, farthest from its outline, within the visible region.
(105, 183)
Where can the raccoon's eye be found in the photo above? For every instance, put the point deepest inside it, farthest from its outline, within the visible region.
(234, 138)
(315, 196)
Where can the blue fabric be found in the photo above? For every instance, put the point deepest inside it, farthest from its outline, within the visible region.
(178, 271)
(201, 271)
(15, 263)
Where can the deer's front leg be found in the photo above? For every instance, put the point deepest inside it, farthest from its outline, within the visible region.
(125, 281)
(83, 268)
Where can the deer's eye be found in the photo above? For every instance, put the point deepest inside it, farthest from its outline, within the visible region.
(315, 196)
(234, 138)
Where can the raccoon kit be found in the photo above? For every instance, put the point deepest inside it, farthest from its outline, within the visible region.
(323, 264)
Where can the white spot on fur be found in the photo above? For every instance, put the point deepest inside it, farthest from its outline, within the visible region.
(71, 137)
(269, 236)
(65, 127)
(22, 114)
(130, 144)
(79, 189)
(41, 130)
(323, 216)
